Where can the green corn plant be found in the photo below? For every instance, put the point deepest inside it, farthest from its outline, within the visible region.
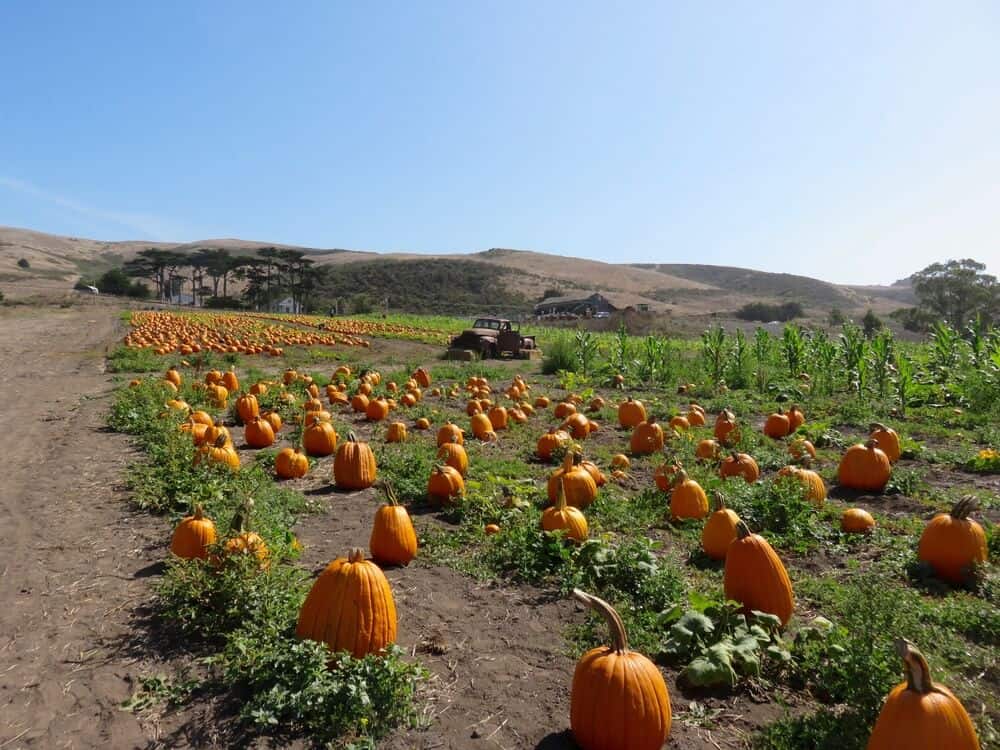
(978, 335)
(852, 354)
(763, 348)
(881, 350)
(737, 371)
(904, 381)
(822, 362)
(945, 351)
(587, 351)
(793, 346)
(621, 351)
(714, 349)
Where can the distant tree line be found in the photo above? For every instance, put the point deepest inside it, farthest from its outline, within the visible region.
(202, 277)
(765, 312)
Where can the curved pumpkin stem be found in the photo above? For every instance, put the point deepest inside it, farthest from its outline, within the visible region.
(918, 672)
(964, 507)
(871, 444)
(680, 476)
(356, 555)
(742, 530)
(351, 437)
(619, 638)
(718, 502)
(199, 512)
(390, 493)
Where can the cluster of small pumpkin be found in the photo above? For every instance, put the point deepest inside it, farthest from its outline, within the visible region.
(166, 332)
(358, 328)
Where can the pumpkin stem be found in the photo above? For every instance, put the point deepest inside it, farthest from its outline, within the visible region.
(351, 437)
(718, 501)
(680, 476)
(390, 493)
(356, 555)
(877, 427)
(619, 638)
(742, 530)
(964, 507)
(561, 497)
(199, 512)
(918, 672)
(871, 444)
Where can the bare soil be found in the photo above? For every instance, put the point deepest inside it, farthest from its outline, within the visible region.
(74, 559)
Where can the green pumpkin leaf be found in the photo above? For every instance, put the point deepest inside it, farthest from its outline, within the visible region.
(703, 672)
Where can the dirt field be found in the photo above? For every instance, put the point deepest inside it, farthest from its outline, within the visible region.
(73, 562)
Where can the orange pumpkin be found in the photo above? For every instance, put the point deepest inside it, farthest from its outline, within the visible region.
(193, 535)
(319, 439)
(396, 433)
(888, 440)
(687, 499)
(720, 530)
(354, 465)
(291, 463)
(739, 465)
(952, 543)
(350, 607)
(258, 433)
(573, 479)
(619, 700)
(647, 437)
(393, 540)
(563, 517)
(708, 449)
(449, 433)
(856, 521)
(727, 430)
(920, 714)
(445, 485)
(756, 577)
(777, 426)
(864, 467)
(631, 413)
(812, 483)
(455, 456)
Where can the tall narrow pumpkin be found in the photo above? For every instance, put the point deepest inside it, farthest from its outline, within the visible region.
(952, 543)
(919, 714)
(393, 540)
(455, 456)
(720, 530)
(350, 607)
(687, 498)
(619, 700)
(888, 440)
(727, 431)
(756, 577)
(354, 465)
(193, 535)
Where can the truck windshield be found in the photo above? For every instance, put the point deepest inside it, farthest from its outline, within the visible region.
(486, 323)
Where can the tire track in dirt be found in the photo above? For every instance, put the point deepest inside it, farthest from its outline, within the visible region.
(72, 558)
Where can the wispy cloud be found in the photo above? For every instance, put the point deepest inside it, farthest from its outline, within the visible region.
(149, 226)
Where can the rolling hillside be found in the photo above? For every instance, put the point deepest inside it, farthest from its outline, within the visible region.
(515, 277)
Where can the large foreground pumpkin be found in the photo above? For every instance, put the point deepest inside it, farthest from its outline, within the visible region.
(920, 715)
(619, 700)
(193, 535)
(755, 576)
(350, 607)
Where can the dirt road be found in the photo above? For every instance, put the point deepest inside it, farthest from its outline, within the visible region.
(72, 557)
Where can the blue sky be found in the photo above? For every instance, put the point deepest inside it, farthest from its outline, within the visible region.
(855, 143)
